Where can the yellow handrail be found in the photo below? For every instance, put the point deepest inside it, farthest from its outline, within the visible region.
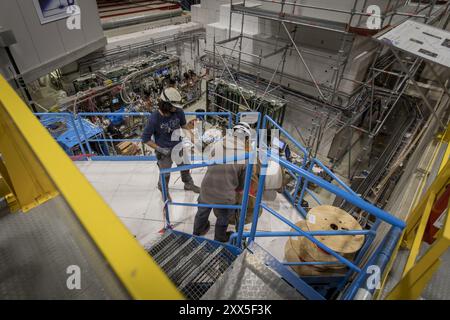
(39, 169)
(417, 273)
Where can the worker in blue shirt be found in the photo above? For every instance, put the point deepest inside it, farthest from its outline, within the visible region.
(161, 125)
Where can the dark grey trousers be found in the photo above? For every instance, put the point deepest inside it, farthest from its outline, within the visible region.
(165, 162)
(223, 218)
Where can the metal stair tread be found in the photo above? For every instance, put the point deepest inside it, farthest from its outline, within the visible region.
(167, 249)
(202, 281)
(175, 253)
(158, 244)
(200, 268)
(185, 262)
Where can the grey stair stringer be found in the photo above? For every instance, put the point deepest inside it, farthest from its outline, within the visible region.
(249, 278)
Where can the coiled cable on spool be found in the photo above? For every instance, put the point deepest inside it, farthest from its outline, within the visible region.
(324, 218)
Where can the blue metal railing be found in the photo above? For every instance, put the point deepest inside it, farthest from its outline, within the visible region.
(242, 206)
(297, 195)
(303, 172)
(304, 175)
(341, 191)
(267, 120)
(84, 141)
(249, 157)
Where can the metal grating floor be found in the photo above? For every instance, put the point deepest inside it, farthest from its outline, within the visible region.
(439, 286)
(37, 247)
(211, 268)
(193, 264)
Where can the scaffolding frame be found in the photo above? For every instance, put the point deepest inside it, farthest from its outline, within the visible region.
(395, 12)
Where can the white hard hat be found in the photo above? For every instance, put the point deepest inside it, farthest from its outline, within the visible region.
(172, 95)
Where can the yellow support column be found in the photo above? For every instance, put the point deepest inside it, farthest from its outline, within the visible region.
(25, 176)
(38, 168)
(415, 280)
(416, 214)
(417, 241)
(446, 138)
(417, 274)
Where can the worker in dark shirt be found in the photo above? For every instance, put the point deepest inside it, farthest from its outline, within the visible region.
(161, 126)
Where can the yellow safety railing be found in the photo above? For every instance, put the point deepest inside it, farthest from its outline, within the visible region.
(418, 272)
(35, 169)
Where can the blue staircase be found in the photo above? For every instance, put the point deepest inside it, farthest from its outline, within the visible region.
(206, 269)
(192, 263)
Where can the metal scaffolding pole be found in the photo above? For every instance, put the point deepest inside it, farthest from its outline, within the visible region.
(233, 79)
(414, 82)
(326, 94)
(304, 63)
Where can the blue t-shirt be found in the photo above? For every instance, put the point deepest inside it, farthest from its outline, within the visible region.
(162, 128)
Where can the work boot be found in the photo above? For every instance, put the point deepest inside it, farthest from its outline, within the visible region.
(229, 234)
(205, 231)
(191, 187)
(226, 239)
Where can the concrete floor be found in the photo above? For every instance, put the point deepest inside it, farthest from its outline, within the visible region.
(130, 188)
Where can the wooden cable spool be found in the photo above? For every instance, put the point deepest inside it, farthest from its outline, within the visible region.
(324, 218)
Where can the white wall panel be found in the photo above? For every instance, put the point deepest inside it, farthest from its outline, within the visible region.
(42, 48)
(46, 38)
(24, 52)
